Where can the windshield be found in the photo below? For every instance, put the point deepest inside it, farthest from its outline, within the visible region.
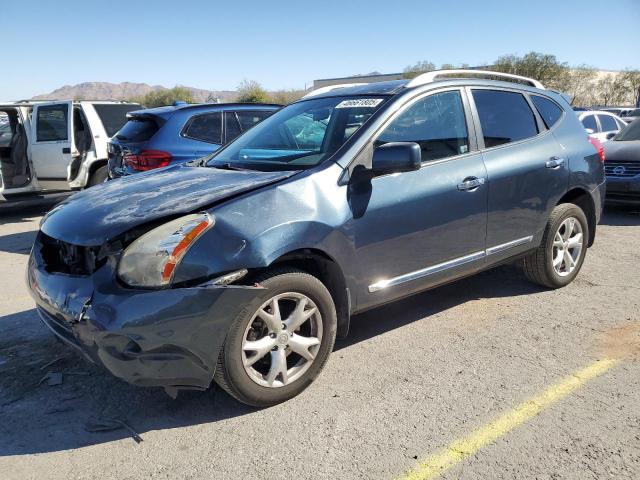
(630, 133)
(634, 113)
(299, 136)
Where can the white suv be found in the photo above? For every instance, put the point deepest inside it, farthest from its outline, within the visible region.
(600, 124)
(56, 146)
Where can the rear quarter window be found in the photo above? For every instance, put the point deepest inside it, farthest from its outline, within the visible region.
(137, 129)
(548, 110)
(206, 128)
(505, 117)
(114, 116)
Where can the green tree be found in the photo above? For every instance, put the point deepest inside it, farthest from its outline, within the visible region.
(250, 91)
(543, 67)
(165, 96)
(413, 71)
(630, 83)
(285, 97)
(581, 85)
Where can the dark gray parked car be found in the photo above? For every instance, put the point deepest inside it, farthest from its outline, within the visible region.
(623, 166)
(244, 267)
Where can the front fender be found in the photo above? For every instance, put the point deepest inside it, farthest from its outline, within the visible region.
(253, 230)
(225, 249)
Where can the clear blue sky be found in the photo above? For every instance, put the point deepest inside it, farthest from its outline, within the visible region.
(285, 44)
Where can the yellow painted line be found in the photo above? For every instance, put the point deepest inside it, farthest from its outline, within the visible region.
(458, 450)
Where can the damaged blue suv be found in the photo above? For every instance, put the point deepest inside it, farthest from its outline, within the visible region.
(243, 267)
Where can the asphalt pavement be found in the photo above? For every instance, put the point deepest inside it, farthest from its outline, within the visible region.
(489, 377)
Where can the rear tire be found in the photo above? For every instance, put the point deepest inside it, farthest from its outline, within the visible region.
(558, 259)
(280, 341)
(99, 176)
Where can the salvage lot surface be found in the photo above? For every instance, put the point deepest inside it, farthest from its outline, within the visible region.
(411, 378)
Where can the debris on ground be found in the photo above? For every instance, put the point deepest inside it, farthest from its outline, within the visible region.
(52, 378)
(109, 424)
(55, 360)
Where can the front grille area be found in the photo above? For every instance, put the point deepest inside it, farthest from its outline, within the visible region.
(62, 257)
(621, 169)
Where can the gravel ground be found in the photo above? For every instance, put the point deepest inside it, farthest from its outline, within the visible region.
(412, 377)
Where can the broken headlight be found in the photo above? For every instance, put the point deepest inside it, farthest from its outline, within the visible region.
(151, 260)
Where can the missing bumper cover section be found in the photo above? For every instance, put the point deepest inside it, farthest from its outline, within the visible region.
(456, 262)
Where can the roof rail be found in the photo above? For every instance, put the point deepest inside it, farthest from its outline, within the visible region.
(328, 88)
(429, 77)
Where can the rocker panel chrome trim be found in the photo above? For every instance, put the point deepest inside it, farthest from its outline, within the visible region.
(426, 271)
(506, 246)
(456, 262)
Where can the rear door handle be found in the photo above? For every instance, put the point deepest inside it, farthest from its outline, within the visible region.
(554, 162)
(470, 183)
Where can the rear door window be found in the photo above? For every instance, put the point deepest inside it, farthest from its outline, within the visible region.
(114, 115)
(249, 119)
(437, 123)
(589, 122)
(137, 129)
(548, 110)
(607, 123)
(206, 128)
(231, 126)
(52, 123)
(505, 117)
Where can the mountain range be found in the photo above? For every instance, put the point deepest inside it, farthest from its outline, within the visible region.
(124, 91)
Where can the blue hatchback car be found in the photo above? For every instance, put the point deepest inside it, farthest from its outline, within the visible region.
(243, 267)
(158, 137)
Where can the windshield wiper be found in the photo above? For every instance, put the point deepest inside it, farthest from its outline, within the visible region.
(228, 166)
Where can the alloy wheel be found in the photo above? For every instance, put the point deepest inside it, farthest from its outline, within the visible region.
(282, 340)
(567, 246)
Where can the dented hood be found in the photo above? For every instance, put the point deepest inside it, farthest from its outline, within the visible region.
(100, 213)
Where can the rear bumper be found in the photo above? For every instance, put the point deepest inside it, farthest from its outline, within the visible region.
(167, 338)
(623, 191)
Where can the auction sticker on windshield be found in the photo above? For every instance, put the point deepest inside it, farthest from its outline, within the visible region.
(359, 102)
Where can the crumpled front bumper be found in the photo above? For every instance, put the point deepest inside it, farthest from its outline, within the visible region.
(167, 338)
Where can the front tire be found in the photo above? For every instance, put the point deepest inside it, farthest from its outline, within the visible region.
(279, 342)
(559, 258)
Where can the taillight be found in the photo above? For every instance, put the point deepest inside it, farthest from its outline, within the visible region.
(147, 159)
(599, 148)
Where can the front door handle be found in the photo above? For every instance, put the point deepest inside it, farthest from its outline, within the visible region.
(470, 183)
(554, 162)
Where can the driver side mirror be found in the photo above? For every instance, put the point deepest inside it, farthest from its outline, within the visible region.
(610, 135)
(590, 131)
(396, 157)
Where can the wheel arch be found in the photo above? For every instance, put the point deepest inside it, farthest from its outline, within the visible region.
(583, 199)
(324, 267)
(95, 165)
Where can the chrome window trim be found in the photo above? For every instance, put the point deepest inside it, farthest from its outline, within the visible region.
(456, 262)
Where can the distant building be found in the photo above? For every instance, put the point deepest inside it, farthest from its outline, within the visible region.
(372, 77)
